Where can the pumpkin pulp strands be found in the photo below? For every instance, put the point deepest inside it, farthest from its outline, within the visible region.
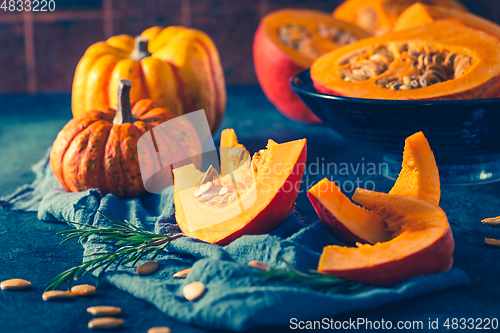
(135, 245)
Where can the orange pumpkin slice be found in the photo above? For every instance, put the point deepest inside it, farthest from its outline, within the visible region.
(420, 14)
(443, 60)
(419, 176)
(423, 243)
(378, 16)
(254, 198)
(343, 219)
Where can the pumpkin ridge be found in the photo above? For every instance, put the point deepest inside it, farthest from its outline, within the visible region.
(112, 162)
(92, 54)
(215, 78)
(132, 183)
(160, 73)
(96, 94)
(90, 164)
(71, 161)
(71, 130)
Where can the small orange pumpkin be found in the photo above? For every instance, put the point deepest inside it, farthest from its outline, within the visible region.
(99, 149)
(177, 67)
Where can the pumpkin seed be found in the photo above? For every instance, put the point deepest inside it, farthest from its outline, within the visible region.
(338, 36)
(194, 291)
(182, 274)
(210, 175)
(494, 221)
(208, 196)
(56, 295)
(202, 189)
(83, 290)
(259, 265)
(104, 310)
(15, 284)
(159, 329)
(428, 66)
(105, 323)
(300, 39)
(492, 242)
(147, 268)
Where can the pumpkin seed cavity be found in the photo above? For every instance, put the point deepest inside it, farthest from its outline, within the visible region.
(214, 190)
(423, 66)
(301, 38)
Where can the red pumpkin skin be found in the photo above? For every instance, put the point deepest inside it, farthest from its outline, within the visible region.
(334, 226)
(271, 216)
(274, 71)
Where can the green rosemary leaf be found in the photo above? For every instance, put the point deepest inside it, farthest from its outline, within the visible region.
(315, 280)
(133, 245)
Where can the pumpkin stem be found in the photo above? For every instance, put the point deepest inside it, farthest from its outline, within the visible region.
(140, 50)
(124, 108)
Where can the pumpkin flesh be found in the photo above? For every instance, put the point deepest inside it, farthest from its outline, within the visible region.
(343, 219)
(419, 176)
(287, 42)
(420, 14)
(422, 244)
(466, 65)
(378, 16)
(277, 176)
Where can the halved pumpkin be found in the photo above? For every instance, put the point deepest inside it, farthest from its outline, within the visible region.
(288, 41)
(443, 60)
(423, 243)
(419, 176)
(420, 14)
(378, 16)
(343, 219)
(253, 199)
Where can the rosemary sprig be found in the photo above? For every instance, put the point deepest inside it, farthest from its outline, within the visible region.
(135, 244)
(315, 280)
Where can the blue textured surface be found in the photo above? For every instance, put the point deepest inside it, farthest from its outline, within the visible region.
(236, 298)
(30, 248)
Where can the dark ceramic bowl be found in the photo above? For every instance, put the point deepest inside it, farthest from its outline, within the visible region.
(464, 134)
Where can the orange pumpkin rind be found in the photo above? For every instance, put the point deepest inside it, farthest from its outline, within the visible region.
(278, 174)
(343, 219)
(275, 62)
(423, 243)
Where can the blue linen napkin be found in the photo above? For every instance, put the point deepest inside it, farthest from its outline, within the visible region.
(236, 299)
